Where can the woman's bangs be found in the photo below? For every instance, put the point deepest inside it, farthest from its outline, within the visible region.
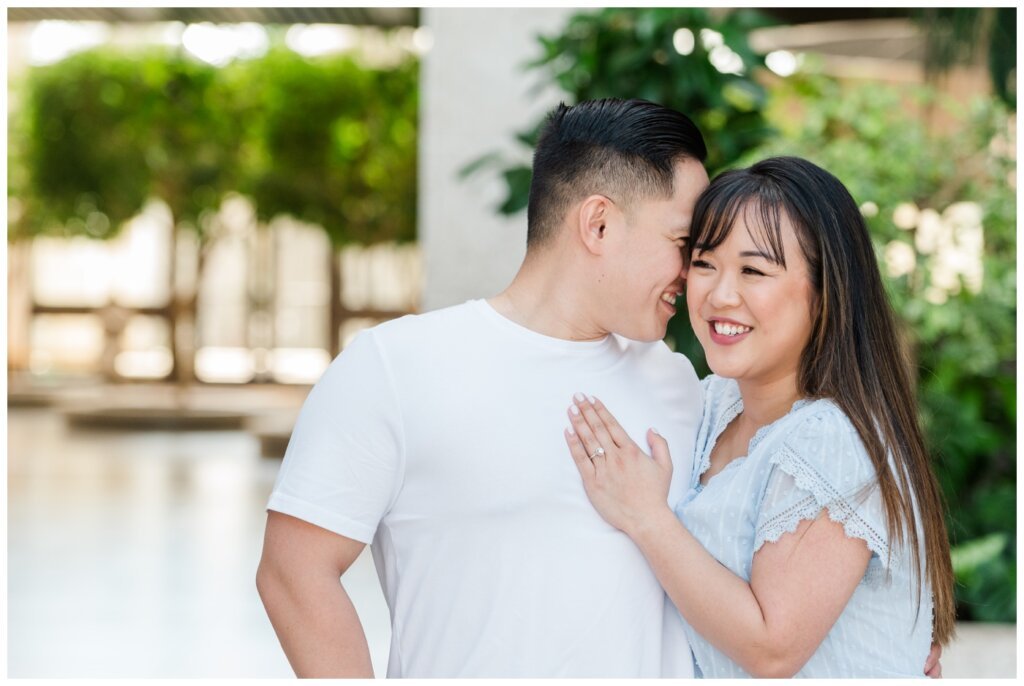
(713, 218)
(717, 213)
(763, 217)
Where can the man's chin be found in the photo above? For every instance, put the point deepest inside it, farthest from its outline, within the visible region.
(653, 329)
(649, 336)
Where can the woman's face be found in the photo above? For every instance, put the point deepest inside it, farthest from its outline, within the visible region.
(751, 315)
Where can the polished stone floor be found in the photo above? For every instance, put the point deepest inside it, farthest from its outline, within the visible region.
(133, 554)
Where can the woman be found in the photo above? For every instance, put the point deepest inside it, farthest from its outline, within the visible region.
(811, 541)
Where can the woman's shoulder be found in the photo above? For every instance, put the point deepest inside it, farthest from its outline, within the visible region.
(818, 423)
(819, 461)
(819, 443)
(818, 418)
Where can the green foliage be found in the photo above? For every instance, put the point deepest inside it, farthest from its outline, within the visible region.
(82, 155)
(191, 138)
(328, 141)
(963, 337)
(631, 53)
(107, 130)
(335, 144)
(986, 571)
(25, 214)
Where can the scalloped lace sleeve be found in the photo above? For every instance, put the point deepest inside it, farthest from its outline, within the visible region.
(822, 463)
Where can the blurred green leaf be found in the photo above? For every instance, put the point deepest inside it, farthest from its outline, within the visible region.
(518, 180)
(971, 556)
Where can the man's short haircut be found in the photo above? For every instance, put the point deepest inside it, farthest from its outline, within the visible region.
(623, 149)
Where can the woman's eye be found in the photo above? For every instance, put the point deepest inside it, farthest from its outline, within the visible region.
(701, 264)
(751, 270)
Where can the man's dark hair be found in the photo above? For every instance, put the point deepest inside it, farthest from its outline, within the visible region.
(624, 149)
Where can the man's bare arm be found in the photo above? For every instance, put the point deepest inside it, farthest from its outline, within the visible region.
(299, 582)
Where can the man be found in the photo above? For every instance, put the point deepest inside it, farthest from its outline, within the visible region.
(438, 437)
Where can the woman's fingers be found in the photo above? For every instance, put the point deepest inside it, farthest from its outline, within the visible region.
(932, 665)
(616, 431)
(659, 449)
(579, 454)
(589, 441)
(594, 422)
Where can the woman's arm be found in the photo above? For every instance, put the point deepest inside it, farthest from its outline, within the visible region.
(771, 626)
(799, 584)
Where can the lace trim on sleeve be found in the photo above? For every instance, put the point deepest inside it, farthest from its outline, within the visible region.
(822, 495)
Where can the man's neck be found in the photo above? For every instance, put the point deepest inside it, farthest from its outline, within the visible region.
(549, 301)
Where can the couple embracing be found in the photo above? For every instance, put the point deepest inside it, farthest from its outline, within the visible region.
(549, 491)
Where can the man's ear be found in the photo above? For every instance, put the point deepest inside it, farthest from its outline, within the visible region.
(592, 221)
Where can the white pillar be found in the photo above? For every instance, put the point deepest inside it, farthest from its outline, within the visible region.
(475, 95)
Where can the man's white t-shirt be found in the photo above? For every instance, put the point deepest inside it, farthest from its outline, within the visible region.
(439, 438)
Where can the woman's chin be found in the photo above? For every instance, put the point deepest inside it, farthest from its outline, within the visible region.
(727, 371)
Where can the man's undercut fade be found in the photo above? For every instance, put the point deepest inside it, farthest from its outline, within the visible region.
(623, 149)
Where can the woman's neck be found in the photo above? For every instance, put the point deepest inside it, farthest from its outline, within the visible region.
(766, 401)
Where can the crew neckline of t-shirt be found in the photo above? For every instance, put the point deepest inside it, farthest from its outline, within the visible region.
(589, 347)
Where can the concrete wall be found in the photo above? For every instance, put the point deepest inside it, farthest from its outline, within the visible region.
(474, 96)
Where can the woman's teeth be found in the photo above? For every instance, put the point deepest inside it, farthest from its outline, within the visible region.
(730, 329)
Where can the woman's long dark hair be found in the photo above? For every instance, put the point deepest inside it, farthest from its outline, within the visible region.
(855, 356)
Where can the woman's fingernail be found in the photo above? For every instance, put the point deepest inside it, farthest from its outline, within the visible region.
(592, 401)
(655, 431)
(570, 431)
(574, 409)
(578, 397)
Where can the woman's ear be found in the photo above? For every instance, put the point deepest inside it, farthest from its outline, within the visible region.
(592, 222)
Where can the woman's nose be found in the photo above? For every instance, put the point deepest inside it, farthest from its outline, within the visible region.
(724, 293)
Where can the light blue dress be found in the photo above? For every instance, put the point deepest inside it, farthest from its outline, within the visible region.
(809, 459)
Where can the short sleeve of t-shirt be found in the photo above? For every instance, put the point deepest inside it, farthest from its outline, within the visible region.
(344, 462)
(823, 464)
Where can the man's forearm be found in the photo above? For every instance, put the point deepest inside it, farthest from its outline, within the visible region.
(316, 624)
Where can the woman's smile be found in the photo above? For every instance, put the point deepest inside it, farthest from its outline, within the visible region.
(727, 331)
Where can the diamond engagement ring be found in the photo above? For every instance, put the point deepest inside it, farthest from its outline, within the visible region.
(598, 453)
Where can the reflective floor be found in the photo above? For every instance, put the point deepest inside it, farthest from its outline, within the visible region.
(133, 554)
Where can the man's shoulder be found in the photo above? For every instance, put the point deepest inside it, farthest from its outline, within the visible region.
(444, 321)
(406, 340)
